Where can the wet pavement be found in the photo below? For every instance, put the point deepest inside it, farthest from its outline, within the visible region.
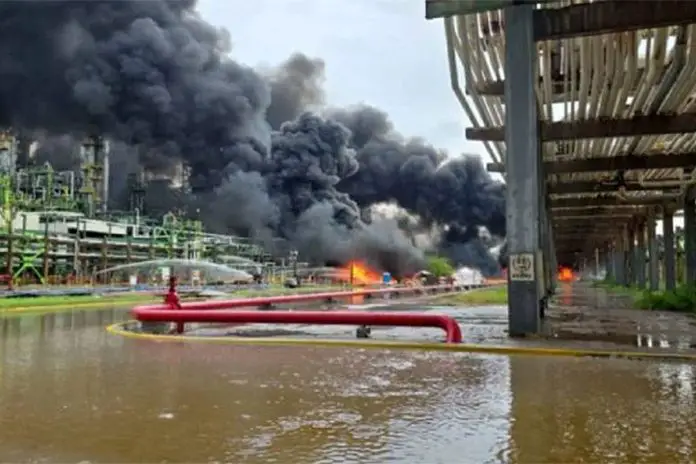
(582, 312)
(71, 392)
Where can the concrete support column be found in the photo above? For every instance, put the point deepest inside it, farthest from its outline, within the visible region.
(653, 256)
(639, 263)
(554, 261)
(548, 245)
(609, 262)
(690, 237)
(524, 178)
(630, 253)
(545, 247)
(670, 258)
(619, 260)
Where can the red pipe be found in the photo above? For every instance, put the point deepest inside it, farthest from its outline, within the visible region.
(172, 300)
(401, 319)
(173, 303)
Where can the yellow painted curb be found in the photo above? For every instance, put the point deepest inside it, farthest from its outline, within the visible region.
(119, 329)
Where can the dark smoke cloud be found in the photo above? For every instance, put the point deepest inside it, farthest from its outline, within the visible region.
(297, 199)
(148, 73)
(296, 86)
(454, 192)
(155, 77)
(62, 152)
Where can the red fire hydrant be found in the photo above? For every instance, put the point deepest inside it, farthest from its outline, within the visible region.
(172, 300)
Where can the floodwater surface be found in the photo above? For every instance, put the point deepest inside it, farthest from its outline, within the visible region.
(70, 392)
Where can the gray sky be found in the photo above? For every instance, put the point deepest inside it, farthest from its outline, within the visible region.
(379, 52)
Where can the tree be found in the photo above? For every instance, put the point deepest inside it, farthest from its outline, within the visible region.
(440, 267)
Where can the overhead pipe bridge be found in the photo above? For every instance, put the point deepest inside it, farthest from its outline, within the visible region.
(595, 133)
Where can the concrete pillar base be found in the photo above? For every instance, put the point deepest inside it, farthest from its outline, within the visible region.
(525, 192)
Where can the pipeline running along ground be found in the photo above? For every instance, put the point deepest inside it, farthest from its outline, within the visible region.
(119, 329)
(94, 302)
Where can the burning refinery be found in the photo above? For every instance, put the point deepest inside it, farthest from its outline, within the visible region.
(218, 160)
(359, 274)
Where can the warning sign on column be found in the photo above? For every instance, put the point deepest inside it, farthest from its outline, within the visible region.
(522, 267)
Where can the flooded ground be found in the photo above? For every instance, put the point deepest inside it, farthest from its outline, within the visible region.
(70, 392)
(582, 312)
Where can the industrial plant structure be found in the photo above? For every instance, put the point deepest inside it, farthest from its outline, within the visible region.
(55, 227)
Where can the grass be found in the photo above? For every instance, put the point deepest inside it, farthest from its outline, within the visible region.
(55, 303)
(491, 296)
(682, 299)
(77, 300)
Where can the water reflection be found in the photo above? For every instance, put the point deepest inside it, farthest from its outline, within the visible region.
(237, 404)
(601, 411)
(71, 392)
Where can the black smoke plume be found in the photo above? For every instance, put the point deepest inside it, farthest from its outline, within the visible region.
(455, 193)
(156, 78)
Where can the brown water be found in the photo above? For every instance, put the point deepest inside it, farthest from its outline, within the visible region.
(70, 392)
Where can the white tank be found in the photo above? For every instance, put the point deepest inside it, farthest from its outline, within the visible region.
(468, 276)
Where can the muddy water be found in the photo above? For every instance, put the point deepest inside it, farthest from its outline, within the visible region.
(69, 392)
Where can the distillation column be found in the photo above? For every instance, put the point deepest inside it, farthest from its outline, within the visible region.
(94, 166)
(136, 192)
(8, 152)
(8, 211)
(524, 189)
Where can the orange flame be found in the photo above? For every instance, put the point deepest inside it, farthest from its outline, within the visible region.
(360, 274)
(565, 274)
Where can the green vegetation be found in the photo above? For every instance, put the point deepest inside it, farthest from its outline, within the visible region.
(490, 296)
(440, 267)
(76, 300)
(682, 299)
